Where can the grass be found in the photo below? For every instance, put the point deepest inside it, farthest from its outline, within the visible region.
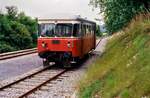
(124, 69)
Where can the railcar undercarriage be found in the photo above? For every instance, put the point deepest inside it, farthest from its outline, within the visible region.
(61, 59)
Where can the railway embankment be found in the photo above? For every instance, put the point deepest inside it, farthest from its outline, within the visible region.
(123, 69)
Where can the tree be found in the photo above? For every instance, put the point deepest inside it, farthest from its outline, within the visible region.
(118, 13)
(98, 31)
(20, 36)
(30, 24)
(5, 28)
(12, 12)
(17, 31)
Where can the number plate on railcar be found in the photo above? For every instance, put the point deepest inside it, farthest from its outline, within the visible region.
(55, 41)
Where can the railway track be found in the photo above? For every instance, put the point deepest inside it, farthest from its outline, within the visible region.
(8, 55)
(26, 86)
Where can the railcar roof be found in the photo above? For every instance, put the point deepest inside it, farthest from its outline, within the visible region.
(73, 18)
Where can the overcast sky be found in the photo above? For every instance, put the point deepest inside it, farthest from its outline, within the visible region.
(45, 8)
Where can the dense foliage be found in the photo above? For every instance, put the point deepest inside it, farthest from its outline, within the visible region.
(119, 12)
(17, 31)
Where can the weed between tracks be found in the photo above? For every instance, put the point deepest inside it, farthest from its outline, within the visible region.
(124, 69)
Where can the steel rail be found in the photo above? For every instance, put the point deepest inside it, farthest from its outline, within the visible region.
(4, 56)
(14, 52)
(25, 94)
(22, 79)
(98, 43)
(42, 84)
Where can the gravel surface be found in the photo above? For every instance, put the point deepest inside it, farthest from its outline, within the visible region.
(28, 84)
(101, 46)
(18, 65)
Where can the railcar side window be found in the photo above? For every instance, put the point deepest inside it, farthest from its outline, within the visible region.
(92, 29)
(87, 30)
(83, 29)
(76, 30)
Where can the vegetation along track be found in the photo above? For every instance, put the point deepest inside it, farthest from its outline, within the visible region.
(8, 55)
(29, 84)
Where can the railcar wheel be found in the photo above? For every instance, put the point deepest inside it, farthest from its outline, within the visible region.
(45, 62)
(59, 64)
(63, 64)
(67, 63)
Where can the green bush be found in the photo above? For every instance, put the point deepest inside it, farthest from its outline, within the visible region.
(5, 47)
(98, 31)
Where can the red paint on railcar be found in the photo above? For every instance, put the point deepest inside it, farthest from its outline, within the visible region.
(61, 46)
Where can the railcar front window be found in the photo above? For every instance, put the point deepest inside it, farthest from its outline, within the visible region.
(63, 30)
(59, 30)
(46, 30)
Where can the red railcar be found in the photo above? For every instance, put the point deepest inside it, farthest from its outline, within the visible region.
(65, 40)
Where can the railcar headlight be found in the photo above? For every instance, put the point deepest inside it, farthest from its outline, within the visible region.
(69, 45)
(44, 45)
